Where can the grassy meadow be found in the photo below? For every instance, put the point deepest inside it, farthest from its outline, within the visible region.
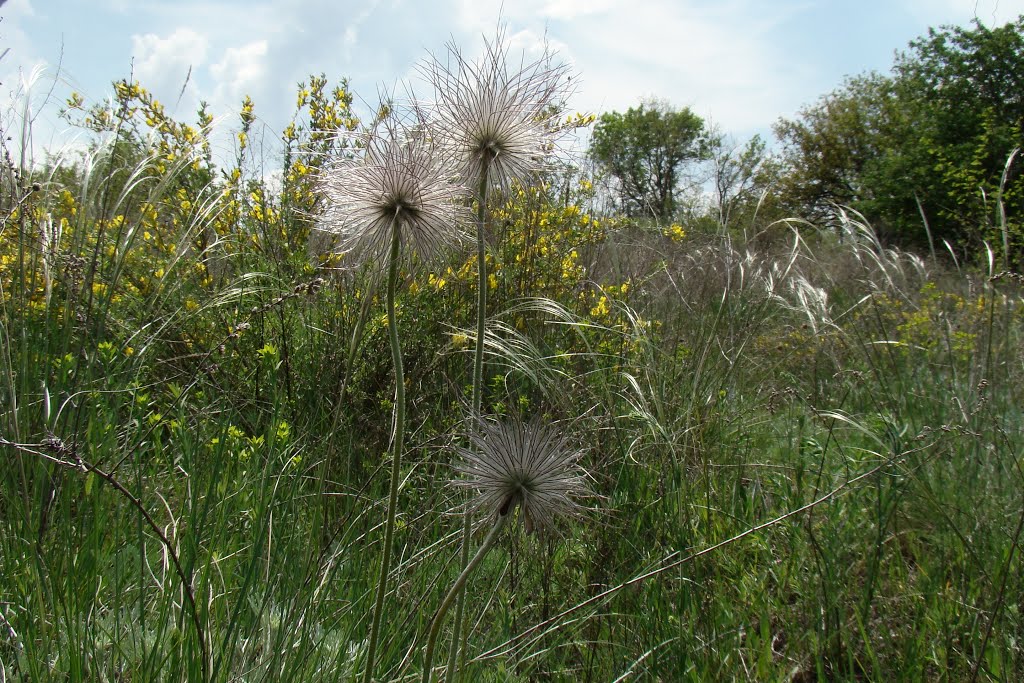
(803, 448)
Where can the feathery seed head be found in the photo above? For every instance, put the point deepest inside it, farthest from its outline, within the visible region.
(526, 464)
(491, 116)
(395, 181)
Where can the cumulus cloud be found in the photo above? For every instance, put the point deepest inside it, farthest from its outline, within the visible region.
(740, 63)
(16, 48)
(165, 64)
(722, 58)
(719, 58)
(30, 88)
(571, 9)
(240, 71)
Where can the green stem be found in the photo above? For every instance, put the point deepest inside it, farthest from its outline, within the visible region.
(461, 634)
(398, 436)
(481, 286)
(457, 590)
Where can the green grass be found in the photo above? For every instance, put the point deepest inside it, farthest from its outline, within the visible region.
(805, 455)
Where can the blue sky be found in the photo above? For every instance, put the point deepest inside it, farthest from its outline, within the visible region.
(739, 63)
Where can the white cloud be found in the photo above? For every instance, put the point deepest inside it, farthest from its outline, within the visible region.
(15, 45)
(165, 65)
(740, 63)
(158, 59)
(532, 46)
(722, 58)
(18, 9)
(30, 88)
(571, 9)
(239, 72)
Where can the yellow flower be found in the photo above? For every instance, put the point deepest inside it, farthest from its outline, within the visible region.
(284, 430)
(436, 282)
(675, 232)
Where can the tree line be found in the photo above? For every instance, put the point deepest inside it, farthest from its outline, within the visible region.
(927, 152)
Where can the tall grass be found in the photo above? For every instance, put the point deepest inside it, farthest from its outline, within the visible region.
(805, 451)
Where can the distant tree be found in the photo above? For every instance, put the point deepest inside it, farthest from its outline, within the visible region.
(741, 175)
(932, 140)
(644, 150)
(969, 84)
(833, 147)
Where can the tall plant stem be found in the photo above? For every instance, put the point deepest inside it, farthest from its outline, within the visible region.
(398, 437)
(461, 635)
(457, 590)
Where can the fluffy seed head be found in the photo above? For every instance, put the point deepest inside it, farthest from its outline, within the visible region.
(526, 464)
(489, 115)
(395, 181)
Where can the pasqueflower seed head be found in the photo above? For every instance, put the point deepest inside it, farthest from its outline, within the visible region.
(490, 115)
(395, 180)
(526, 464)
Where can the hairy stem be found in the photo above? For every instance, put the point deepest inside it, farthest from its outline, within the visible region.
(457, 590)
(461, 634)
(398, 436)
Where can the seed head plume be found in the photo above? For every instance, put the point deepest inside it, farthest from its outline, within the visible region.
(494, 117)
(395, 180)
(395, 196)
(527, 464)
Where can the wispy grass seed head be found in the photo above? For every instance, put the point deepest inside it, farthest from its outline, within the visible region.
(492, 116)
(526, 464)
(395, 181)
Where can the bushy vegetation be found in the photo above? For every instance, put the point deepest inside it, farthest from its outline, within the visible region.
(803, 445)
(928, 149)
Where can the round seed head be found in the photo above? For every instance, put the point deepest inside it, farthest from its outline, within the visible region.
(396, 180)
(526, 464)
(491, 115)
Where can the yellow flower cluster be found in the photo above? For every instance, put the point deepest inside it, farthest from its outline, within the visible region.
(601, 308)
(675, 232)
(542, 242)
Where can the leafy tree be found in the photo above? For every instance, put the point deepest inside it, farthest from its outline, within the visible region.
(644, 150)
(970, 85)
(931, 140)
(832, 144)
